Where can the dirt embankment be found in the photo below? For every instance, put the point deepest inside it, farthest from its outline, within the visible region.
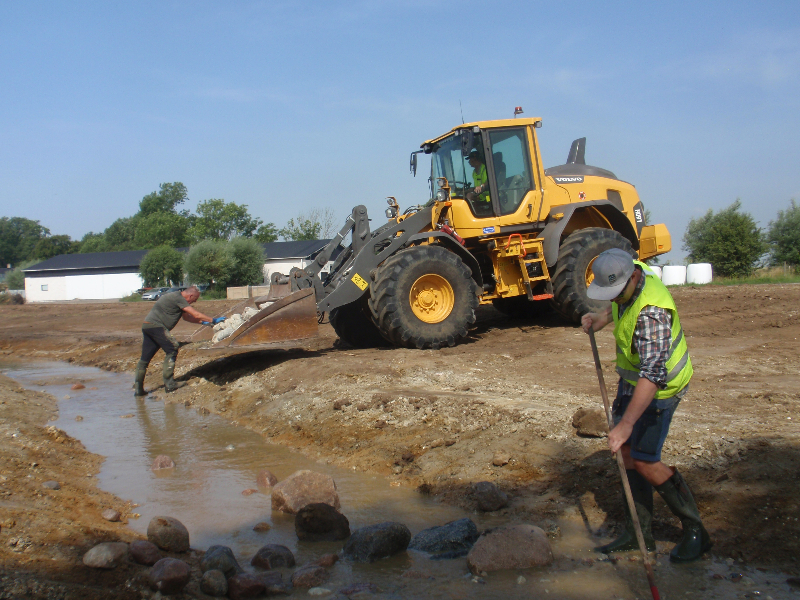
(435, 419)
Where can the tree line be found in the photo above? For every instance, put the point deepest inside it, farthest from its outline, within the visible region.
(161, 222)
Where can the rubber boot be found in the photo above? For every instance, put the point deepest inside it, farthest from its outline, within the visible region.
(168, 371)
(138, 382)
(642, 493)
(678, 496)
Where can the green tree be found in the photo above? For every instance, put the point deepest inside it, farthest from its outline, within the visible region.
(209, 261)
(93, 242)
(729, 240)
(783, 236)
(247, 256)
(15, 280)
(162, 266)
(54, 245)
(121, 234)
(220, 220)
(162, 229)
(316, 224)
(266, 233)
(165, 200)
(18, 238)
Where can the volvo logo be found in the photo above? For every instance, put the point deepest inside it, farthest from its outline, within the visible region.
(575, 179)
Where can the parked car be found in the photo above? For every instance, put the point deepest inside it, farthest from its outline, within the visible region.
(176, 289)
(142, 290)
(202, 286)
(155, 293)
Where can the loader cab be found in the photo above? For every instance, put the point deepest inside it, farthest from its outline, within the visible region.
(505, 153)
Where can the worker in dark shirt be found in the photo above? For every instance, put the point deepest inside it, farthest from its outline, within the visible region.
(167, 311)
(654, 367)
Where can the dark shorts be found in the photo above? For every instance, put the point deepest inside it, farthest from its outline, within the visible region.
(154, 338)
(650, 431)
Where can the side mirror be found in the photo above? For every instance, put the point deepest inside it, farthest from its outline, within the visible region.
(467, 142)
(414, 163)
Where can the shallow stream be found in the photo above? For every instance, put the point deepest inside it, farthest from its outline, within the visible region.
(216, 461)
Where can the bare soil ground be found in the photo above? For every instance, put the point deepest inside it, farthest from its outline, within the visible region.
(435, 419)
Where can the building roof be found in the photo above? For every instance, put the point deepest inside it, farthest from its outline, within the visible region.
(299, 249)
(92, 260)
(130, 259)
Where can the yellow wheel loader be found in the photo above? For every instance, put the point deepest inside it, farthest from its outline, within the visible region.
(499, 228)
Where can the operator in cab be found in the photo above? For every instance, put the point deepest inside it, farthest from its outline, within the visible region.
(168, 310)
(480, 192)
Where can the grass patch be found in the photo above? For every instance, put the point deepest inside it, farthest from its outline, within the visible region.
(759, 277)
(212, 294)
(134, 297)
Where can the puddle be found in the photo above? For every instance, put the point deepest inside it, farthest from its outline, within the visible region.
(216, 461)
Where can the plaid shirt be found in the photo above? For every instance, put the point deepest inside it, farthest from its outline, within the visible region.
(652, 338)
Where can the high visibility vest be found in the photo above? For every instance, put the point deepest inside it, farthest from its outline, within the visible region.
(480, 177)
(679, 365)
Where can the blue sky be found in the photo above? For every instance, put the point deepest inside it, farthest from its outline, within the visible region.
(287, 106)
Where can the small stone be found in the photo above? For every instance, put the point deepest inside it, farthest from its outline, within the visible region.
(340, 404)
(437, 443)
(77, 386)
(501, 457)
(168, 534)
(107, 555)
(51, 485)
(721, 478)
(245, 585)
(320, 522)
(310, 576)
(273, 556)
(327, 560)
(521, 580)
(794, 582)
(162, 461)
(266, 479)
(451, 540)
(169, 575)
(110, 514)
(319, 591)
(145, 553)
(66, 397)
(249, 492)
(303, 488)
(128, 416)
(214, 583)
(262, 527)
(489, 496)
(230, 447)
(220, 558)
(518, 546)
(274, 584)
(374, 542)
(78, 418)
(590, 422)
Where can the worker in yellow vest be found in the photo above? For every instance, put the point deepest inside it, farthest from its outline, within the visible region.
(654, 367)
(480, 178)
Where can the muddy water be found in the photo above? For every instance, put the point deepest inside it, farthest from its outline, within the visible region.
(216, 461)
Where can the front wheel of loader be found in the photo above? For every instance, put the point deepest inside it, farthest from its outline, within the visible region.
(573, 272)
(423, 297)
(353, 324)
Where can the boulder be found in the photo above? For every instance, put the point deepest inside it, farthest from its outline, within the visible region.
(310, 576)
(326, 560)
(489, 496)
(273, 556)
(451, 540)
(590, 422)
(518, 546)
(214, 583)
(169, 575)
(321, 522)
(266, 479)
(168, 534)
(107, 555)
(245, 585)
(303, 488)
(162, 461)
(220, 558)
(145, 553)
(374, 542)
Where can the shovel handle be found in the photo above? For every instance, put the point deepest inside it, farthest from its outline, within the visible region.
(651, 578)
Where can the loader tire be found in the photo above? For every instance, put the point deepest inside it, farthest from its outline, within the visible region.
(573, 273)
(423, 297)
(353, 324)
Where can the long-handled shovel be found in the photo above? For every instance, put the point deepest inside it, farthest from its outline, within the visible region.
(651, 578)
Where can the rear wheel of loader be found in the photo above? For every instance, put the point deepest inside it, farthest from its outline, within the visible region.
(573, 272)
(424, 297)
(353, 323)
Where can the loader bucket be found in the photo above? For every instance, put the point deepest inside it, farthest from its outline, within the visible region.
(279, 324)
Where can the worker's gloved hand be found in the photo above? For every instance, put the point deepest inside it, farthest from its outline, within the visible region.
(205, 322)
(218, 320)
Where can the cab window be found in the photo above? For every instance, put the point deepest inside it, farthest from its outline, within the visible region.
(511, 167)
